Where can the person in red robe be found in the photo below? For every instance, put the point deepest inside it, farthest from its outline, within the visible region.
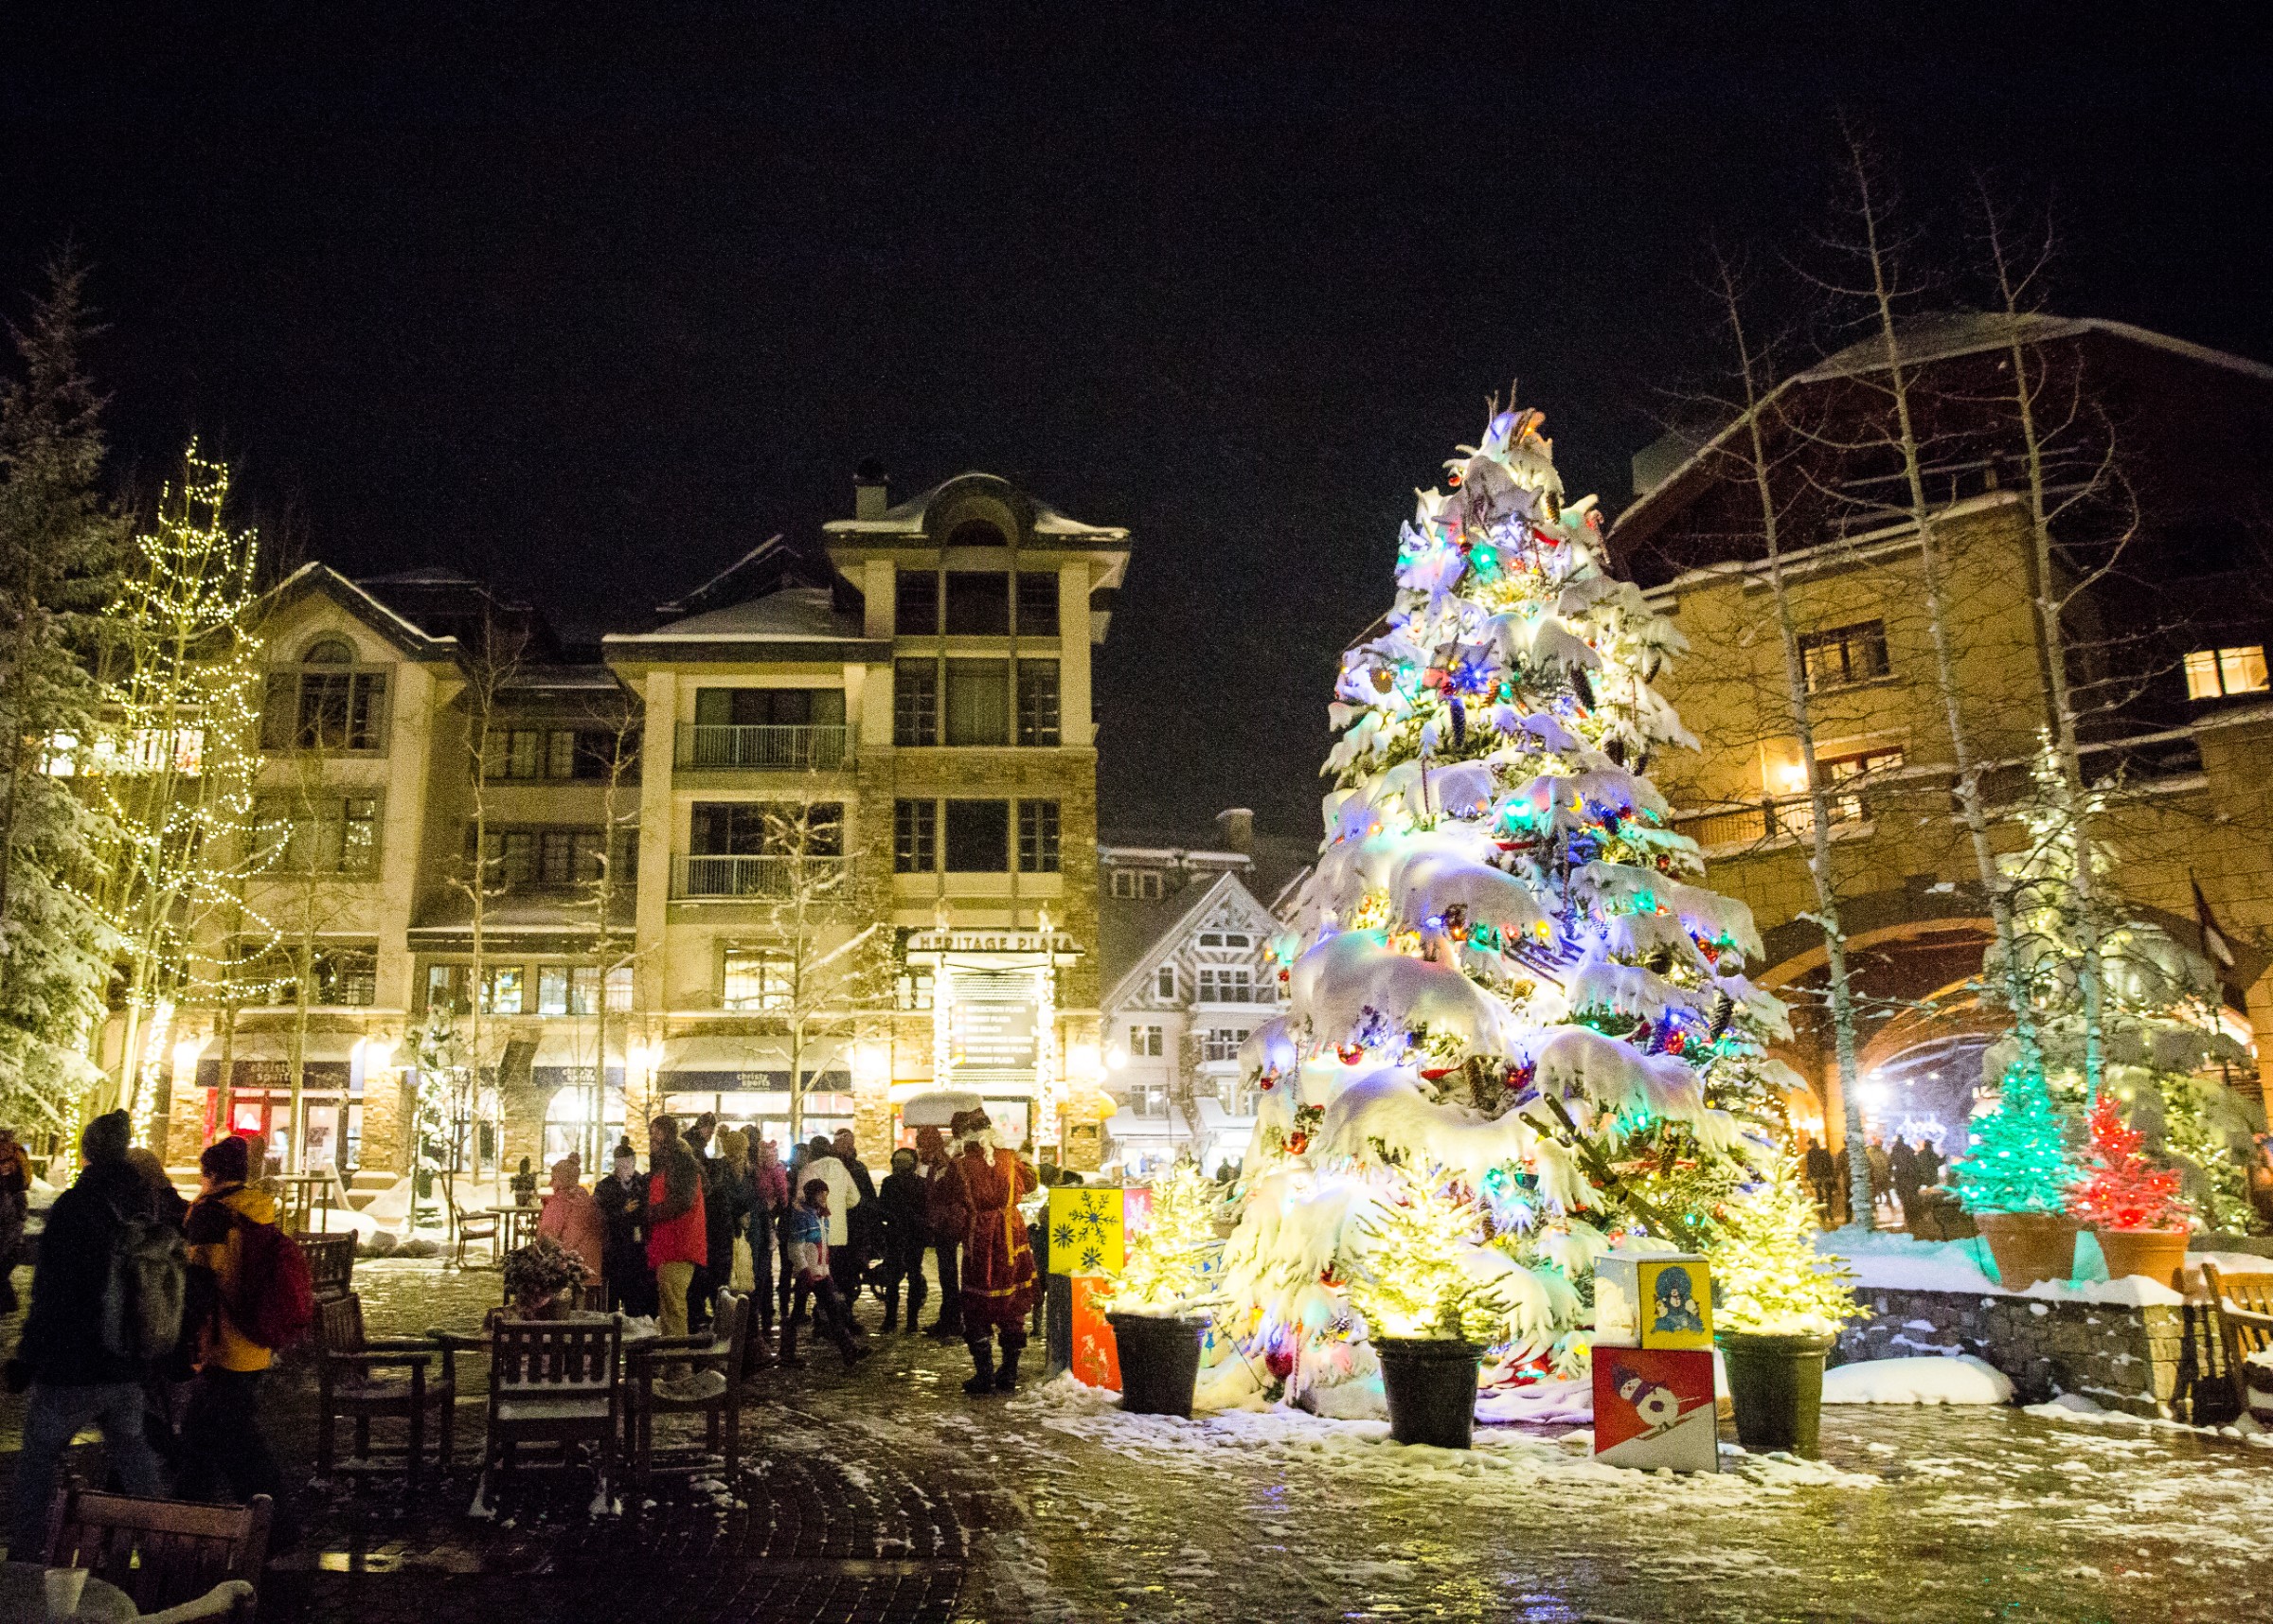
(981, 1190)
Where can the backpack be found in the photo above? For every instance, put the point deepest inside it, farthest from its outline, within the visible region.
(143, 1289)
(275, 1295)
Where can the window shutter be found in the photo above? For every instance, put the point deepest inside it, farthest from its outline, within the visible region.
(278, 709)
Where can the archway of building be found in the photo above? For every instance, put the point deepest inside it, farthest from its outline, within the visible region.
(1912, 958)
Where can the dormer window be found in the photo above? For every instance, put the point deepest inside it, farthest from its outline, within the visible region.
(326, 702)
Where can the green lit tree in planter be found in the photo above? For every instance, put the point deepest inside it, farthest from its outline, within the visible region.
(2017, 1182)
(1158, 1307)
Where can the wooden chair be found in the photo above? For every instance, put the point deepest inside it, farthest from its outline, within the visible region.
(554, 1382)
(2244, 1304)
(331, 1264)
(476, 1226)
(160, 1552)
(721, 1409)
(350, 1386)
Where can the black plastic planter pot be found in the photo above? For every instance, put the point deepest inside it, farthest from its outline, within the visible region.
(1775, 1383)
(1160, 1362)
(1431, 1388)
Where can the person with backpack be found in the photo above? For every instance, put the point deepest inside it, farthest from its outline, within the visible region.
(250, 1299)
(88, 1343)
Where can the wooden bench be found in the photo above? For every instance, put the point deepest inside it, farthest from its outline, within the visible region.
(2244, 1304)
(160, 1552)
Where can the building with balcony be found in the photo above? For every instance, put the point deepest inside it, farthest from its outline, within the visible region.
(824, 827)
(2167, 618)
(1186, 933)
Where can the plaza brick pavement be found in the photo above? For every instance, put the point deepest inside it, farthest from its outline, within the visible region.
(882, 1493)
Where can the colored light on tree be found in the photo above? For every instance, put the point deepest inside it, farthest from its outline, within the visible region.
(2020, 1160)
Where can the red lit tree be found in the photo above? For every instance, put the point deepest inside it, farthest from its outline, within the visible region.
(2124, 1190)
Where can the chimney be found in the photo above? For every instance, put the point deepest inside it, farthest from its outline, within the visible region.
(871, 492)
(1236, 827)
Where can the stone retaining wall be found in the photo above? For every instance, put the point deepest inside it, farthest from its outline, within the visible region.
(2144, 1360)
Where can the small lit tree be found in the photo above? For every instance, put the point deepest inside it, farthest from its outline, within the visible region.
(2121, 1189)
(1170, 1267)
(2020, 1160)
(1767, 1274)
(1424, 1266)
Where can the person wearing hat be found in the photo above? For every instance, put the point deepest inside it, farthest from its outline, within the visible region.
(985, 1182)
(572, 1217)
(223, 1441)
(76, 1380)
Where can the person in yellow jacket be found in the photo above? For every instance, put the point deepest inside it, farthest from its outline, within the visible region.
(222, 1439)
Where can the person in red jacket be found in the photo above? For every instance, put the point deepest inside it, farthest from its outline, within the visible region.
(982, 1186)
(678, 1239)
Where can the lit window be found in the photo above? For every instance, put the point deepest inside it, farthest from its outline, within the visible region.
(1145, 1041)
(757, 979)
(1223, 1043)
(2212, 674)
(1844, 654)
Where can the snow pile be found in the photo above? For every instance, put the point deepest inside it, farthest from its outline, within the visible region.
(1961, 1381)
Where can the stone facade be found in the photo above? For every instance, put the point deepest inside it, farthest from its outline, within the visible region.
(2148, 1360)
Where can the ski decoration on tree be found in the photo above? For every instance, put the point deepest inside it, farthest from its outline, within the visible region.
(1516, 1024)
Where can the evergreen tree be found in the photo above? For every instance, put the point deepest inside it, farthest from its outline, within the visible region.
(2110, 992)
(1766, 1274)
(2122, 1190)
(58, 548)
(1509, 997)
(2020, 1160)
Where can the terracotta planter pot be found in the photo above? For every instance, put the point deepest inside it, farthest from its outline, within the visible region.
(2029, 1246)
(2159, 1253)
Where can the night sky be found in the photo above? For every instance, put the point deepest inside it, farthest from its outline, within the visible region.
(592, 310)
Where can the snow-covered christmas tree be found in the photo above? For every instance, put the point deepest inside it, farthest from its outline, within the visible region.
(1507, 986)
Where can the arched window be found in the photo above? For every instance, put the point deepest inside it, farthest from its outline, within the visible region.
(326, 702)
(976, 533)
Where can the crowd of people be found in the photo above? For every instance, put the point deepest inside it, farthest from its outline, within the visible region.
(1896, 1176)
(153, 1321)
(819, 1230)
(180, 1410)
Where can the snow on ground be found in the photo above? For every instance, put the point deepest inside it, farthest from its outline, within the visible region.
(1927, 1381)
(1519, 1460)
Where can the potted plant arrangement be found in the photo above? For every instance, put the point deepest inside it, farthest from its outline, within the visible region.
(2133, 1206)
(1781, 1304)
(1156, 1306)
(542, 1277)
(1430, 1290)
(2015, 1181)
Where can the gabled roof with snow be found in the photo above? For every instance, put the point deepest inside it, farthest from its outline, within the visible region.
(321, 578)
(791, 615)
(1227, 901)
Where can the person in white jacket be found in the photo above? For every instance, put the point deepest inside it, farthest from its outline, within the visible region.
(821, 1163)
